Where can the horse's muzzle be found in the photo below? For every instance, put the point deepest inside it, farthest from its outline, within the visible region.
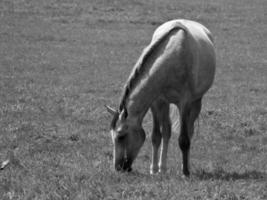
(124, 166)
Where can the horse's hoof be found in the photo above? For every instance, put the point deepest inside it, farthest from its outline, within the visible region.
(154, 170)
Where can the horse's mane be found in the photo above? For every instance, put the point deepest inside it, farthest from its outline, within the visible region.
(139, 66)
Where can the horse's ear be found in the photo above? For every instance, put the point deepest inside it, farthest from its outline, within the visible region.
(111, 110)
(123, 114)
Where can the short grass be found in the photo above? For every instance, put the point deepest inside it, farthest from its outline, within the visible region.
(62, 61)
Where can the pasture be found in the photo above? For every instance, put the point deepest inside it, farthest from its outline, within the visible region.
(63, 60)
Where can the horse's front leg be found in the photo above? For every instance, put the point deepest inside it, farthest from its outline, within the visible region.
(156, 140)
(161, 131)
(166, 134)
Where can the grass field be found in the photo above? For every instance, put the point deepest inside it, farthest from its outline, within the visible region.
(63, 60)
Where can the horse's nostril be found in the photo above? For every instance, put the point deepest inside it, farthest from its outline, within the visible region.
(118, 168)
(123, 166)
(127, 166)
(129, 169)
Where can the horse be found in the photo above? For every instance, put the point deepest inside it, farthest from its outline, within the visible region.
(177, 67)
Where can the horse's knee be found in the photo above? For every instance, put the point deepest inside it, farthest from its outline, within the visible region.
(166, 129)
(156, 135)
(156, 139)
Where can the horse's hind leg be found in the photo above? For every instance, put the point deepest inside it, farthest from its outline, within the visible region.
(161, 131)
(188, 116)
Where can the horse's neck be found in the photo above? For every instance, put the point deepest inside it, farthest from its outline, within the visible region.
(147, 90)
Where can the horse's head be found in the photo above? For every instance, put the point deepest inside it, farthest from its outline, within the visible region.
(128, 137)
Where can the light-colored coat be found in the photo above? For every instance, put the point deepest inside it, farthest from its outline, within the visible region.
(177, 67)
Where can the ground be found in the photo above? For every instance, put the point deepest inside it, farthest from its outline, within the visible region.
(62, 61)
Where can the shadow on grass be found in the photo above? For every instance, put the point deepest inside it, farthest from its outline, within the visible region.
(221, 174)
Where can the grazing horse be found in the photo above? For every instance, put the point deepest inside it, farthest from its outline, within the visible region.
(178, 67)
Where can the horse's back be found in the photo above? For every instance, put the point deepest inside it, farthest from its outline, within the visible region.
(197, 30)
(201, 49)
